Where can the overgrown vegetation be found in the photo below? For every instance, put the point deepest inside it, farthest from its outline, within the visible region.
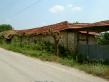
(56, 36)
(33, 46)
(103, 38)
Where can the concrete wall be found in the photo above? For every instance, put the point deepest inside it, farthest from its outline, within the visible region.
(43, 38)
(69, 39)
(91, 39)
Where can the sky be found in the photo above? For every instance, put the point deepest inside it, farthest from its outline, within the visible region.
(26, 14)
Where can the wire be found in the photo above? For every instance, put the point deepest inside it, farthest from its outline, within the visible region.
(24, 9)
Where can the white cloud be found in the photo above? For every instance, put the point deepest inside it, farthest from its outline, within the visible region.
(74, 8)
(57, 9)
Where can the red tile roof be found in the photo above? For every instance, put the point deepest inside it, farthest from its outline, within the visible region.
(55, 27)
(62, 26)
(78, 25)
(101, 23)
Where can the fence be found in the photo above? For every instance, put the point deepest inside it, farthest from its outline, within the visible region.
(95, 52)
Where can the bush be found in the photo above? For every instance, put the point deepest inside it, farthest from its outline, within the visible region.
(81, 58)
(5, 27)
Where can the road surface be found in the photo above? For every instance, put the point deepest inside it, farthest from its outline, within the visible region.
(15, 67)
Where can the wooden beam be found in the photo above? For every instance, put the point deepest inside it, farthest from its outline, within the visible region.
(87, 42)
(87, 38)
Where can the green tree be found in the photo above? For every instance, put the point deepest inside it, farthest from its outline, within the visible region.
(103, 39)
(4, 27)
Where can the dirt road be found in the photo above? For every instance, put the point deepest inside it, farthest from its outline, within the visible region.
(15, 67)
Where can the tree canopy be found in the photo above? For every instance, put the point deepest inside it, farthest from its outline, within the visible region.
(4, 27)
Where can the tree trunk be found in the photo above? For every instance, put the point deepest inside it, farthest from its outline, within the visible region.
(56, 48)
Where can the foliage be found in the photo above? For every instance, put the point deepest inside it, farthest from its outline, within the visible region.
(65, 53)
(5, 27)
(103, 39)
(81, 58)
